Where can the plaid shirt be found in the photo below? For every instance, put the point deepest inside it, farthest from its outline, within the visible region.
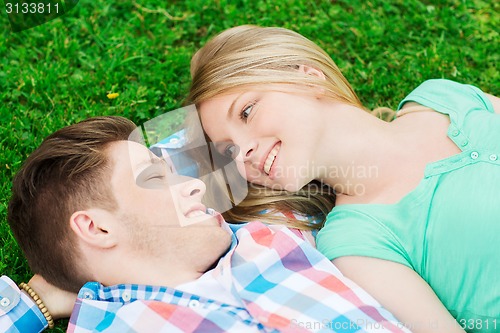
(18, 312)
(281, 282)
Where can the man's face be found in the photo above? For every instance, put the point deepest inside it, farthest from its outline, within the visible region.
(160, 213)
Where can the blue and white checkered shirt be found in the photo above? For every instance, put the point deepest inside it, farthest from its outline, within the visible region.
(279, 281)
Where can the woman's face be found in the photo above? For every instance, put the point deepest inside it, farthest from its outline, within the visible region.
(274, 133)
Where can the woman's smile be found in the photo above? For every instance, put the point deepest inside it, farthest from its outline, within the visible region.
(271, 158)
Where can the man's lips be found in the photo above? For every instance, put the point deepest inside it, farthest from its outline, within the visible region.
(195, 211)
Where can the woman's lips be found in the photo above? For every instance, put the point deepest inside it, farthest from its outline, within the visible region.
(271, 157)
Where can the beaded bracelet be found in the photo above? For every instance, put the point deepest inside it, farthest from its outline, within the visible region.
(38, 302)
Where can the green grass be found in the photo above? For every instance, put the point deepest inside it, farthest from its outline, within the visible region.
(59, 73)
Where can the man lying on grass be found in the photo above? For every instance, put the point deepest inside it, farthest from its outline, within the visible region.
(91, 205)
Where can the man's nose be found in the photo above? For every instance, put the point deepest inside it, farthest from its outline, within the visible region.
(193, 187)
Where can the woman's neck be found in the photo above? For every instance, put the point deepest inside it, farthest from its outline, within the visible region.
(360, 154)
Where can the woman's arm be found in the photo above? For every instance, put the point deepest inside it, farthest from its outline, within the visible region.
(401, 291)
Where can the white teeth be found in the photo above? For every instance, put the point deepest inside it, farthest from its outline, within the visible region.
(270, 158)
(195, 213)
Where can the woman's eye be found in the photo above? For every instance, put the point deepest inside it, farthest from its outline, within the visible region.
(245, 113)
(230, 151)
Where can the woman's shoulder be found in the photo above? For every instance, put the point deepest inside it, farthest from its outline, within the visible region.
(352, 231)
(449, 97)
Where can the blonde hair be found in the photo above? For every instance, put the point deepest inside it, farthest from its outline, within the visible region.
(312, 204)
(252, 56)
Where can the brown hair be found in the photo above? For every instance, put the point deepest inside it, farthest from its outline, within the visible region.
(66, 173)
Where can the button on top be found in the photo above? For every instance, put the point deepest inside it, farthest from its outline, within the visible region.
(88, 295)
(5, 302)
(126, 296)
(474, 155)
(194, 303)
(455, 133)
(493, 157)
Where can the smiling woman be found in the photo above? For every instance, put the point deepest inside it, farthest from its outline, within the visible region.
(396, 229)
(281, 172)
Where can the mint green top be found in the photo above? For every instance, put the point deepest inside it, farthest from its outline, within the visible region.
(448, 228)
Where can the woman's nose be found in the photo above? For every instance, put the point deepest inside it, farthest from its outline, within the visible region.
(248, 150)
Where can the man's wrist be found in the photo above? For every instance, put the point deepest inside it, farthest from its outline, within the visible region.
(38, 301)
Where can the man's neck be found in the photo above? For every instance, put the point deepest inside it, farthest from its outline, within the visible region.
(169, 273)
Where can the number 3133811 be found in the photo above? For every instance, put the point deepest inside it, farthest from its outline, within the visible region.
(31, 8)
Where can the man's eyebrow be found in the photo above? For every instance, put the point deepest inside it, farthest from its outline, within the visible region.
(233, 104)
(153, 159)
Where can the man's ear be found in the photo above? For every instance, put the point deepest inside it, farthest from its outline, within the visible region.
(90, 227)
(312, 71)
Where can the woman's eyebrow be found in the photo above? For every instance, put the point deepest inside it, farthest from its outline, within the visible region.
(233, 104)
